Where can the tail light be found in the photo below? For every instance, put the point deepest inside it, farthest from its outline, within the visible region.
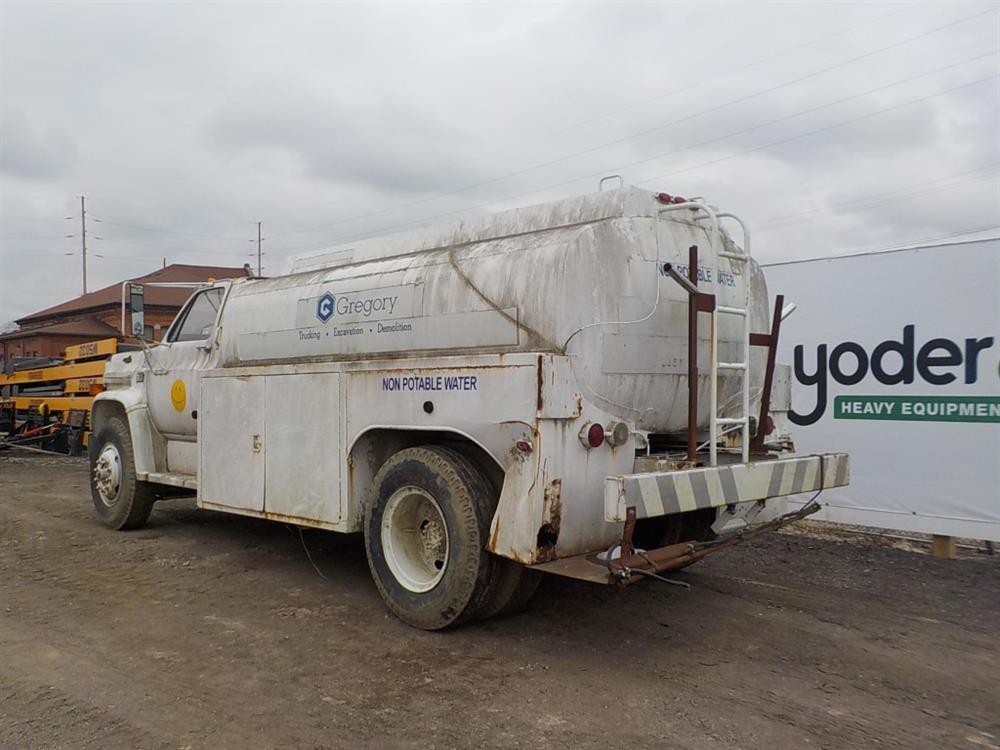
(616, 434)
(768, 425)
(668, 198)
(592, 435)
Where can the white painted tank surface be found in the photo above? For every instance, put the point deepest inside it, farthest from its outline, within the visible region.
(583, 277)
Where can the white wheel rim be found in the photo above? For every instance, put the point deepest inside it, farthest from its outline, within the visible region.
(108, 474)
(415, 539)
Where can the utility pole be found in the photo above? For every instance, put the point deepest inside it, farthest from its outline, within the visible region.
(258, 250)
(83, 238)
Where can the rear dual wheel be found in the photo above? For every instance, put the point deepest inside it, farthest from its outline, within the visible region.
(426, 530)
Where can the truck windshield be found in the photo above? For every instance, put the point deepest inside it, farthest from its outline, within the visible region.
(199, 318)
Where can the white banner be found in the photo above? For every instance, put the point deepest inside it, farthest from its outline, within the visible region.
(896, 360)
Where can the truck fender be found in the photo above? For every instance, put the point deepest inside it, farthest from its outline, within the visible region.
(131, 403)
(519, 513)
(375, 444)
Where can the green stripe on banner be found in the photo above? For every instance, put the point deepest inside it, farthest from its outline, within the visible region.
(918, 408)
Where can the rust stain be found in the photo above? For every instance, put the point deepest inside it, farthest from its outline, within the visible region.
(296, 520)
(514, 421)
(548, 533)
(350, 472)
(494, 536)
(540, 398)
(534, 479)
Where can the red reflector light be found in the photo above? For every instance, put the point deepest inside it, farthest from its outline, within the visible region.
(665, 198)
(768, 425)
(678, 199)
(595, 435)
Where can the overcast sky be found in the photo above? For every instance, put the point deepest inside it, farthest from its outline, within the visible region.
(830, 127)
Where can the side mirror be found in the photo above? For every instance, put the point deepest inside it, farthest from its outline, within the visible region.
(137, 306)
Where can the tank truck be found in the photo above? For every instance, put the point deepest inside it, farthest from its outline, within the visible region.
(585, 388)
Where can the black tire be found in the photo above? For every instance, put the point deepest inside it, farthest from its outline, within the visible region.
(127, 507)
(513, 588)
(525, 590)
(465, 504)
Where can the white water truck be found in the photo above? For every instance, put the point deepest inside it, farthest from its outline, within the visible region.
(585, 388)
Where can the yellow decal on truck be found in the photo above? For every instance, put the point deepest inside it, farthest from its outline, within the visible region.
(178, 395)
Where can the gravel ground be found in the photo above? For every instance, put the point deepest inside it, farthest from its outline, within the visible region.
(213, 631)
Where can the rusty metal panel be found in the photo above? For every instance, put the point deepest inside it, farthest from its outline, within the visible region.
(559, 395)
(663, 493)
(303, 447)
(231, 443)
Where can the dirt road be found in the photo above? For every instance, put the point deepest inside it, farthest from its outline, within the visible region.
(212, 631)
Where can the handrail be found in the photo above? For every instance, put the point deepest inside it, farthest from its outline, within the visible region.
(743, 226)
(600, 184)
(697, 205)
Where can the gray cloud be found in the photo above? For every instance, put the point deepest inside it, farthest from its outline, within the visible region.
(34, 151)
(184, 124)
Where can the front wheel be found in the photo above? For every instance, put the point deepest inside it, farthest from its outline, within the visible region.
(426, 528)
(120, 499)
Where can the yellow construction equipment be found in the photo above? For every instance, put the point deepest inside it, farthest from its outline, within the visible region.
(79, 378)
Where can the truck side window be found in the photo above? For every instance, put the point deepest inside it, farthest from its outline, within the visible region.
(199, 318)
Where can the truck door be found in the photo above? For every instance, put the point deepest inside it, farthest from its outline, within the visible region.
(172, 383)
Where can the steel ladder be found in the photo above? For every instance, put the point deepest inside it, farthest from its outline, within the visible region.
(719, 425)
(744, 363)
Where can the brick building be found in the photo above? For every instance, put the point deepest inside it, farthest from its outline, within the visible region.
(97, 315)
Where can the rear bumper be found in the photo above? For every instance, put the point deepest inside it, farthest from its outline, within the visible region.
(664, 493)
(624, 565)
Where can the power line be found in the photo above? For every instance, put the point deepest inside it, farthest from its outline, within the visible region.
(821, 130)
(42, 218)
(702, 83)
(647, 131)
(919, 240)
(860, 199)
(37, 237)
(739, 100)
(166, 231)
(619, 110)
(348, 238)
(173, 248)
(133, 258)
(864, 204)
(808, 110)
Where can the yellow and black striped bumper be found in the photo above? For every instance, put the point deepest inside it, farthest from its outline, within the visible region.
(662, 493)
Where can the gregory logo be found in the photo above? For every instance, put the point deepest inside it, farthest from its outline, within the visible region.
(325, 307)
(355, 306)
(936, 362)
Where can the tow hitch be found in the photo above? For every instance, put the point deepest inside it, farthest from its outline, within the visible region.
(627, 565)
